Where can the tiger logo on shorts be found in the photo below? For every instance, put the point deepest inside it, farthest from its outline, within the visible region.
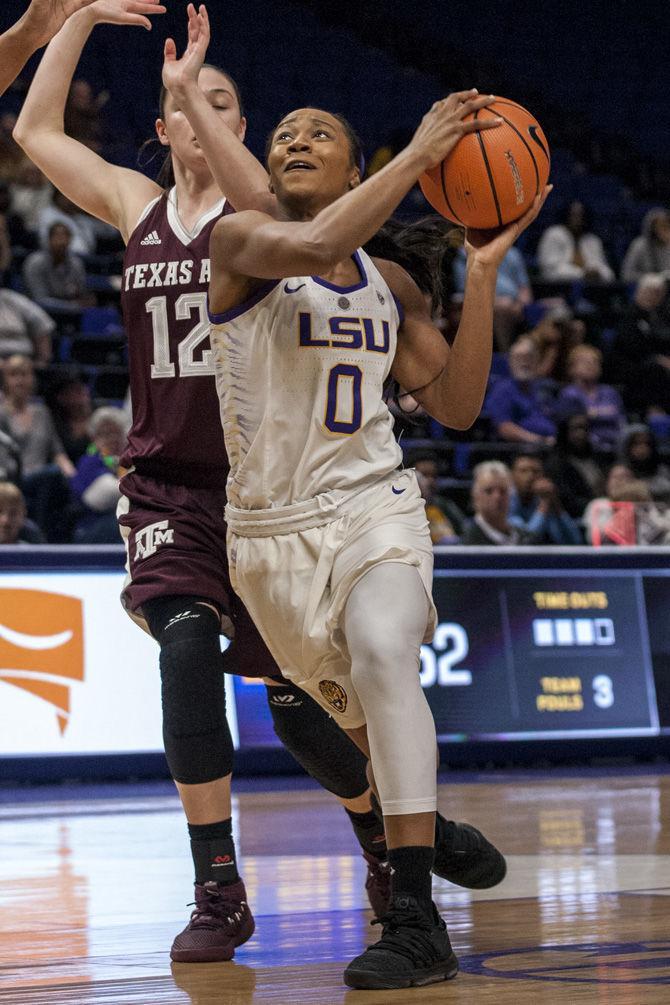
(334, 694)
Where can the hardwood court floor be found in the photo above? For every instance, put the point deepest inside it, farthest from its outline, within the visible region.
(93, 889)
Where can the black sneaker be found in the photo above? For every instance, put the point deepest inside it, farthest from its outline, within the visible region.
(414, 950)
(464, 857)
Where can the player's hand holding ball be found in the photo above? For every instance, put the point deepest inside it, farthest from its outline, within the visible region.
(123, 12)
(489, 247)
(444, 125)
(493, 178)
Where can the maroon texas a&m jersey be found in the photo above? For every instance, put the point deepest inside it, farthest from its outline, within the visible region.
(176, 434)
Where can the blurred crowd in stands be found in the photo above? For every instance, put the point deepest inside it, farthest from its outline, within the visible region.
(572, 446)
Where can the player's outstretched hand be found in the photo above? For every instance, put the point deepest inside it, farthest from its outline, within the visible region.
(179, 73)
(45, 18)
(490, 246)
(442, 127)
(125, 12)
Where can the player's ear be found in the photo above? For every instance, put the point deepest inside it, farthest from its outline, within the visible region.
(355, 179)
(161, 132)
(242, 129)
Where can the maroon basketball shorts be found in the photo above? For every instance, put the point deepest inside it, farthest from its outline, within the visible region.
(175, 540)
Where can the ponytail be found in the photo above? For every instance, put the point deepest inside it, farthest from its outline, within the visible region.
(425, 249)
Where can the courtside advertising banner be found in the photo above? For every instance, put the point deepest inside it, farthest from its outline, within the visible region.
(76, 675)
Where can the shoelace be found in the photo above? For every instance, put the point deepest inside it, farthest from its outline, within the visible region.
(216, 909)
(407, 934)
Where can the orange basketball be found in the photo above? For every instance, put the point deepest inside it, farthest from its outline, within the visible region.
(490, 178)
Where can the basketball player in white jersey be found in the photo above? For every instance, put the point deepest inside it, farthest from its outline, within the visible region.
(177, 435)
(328, 542)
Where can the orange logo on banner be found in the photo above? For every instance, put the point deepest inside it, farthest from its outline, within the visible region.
(42, 645)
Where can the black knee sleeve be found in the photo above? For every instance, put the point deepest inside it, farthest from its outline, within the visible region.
(317, 742)
(196, 735)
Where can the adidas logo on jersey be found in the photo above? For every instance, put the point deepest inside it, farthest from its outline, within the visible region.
(151, 238)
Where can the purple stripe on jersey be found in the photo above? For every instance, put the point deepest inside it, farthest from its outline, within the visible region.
(235, 312)
(401, 309)
(347, 289)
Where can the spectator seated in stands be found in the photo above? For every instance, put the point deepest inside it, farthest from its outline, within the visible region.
(15, 528)
(570, 250)
(513, 293)
(25, 329)
(69, 400)
(28, 420)
(82, 226)
(82, 114)
(573, 468)
(12, 228)
(44, 463)
(605, 522)
(639, 452)
(10, 455)
(535, 507)
(602, 403)
(96, 482)
(640, 355)
(521, 407)
(445, 519)
(31, 193)
(650, 252)
(556, 336)
(56, 277)
(491, 488)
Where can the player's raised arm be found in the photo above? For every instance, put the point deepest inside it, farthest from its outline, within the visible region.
(311, 141)
(450, 382)
(39, 24)
(116, 195)
(241, 178)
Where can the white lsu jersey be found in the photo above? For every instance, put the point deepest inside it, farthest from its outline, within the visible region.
(300, 372)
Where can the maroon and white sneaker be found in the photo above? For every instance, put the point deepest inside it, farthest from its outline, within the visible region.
(378, 884)
(221, 921)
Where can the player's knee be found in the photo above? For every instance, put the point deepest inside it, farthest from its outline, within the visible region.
(181, 617)
(382, 663)
(316, 741)
(198, 743)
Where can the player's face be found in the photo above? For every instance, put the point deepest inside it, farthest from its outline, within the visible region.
(310, 161)
(175, 131)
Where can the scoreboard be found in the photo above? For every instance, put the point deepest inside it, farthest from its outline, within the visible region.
(539, 655)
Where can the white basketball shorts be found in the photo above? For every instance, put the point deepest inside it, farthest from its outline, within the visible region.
(294, 568)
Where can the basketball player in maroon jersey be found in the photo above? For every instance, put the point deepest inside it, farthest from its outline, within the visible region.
(174, 491)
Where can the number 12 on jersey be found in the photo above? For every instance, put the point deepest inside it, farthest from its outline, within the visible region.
(189, 366)
(344, 399)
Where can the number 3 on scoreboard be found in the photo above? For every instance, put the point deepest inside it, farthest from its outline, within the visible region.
(344, 399)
